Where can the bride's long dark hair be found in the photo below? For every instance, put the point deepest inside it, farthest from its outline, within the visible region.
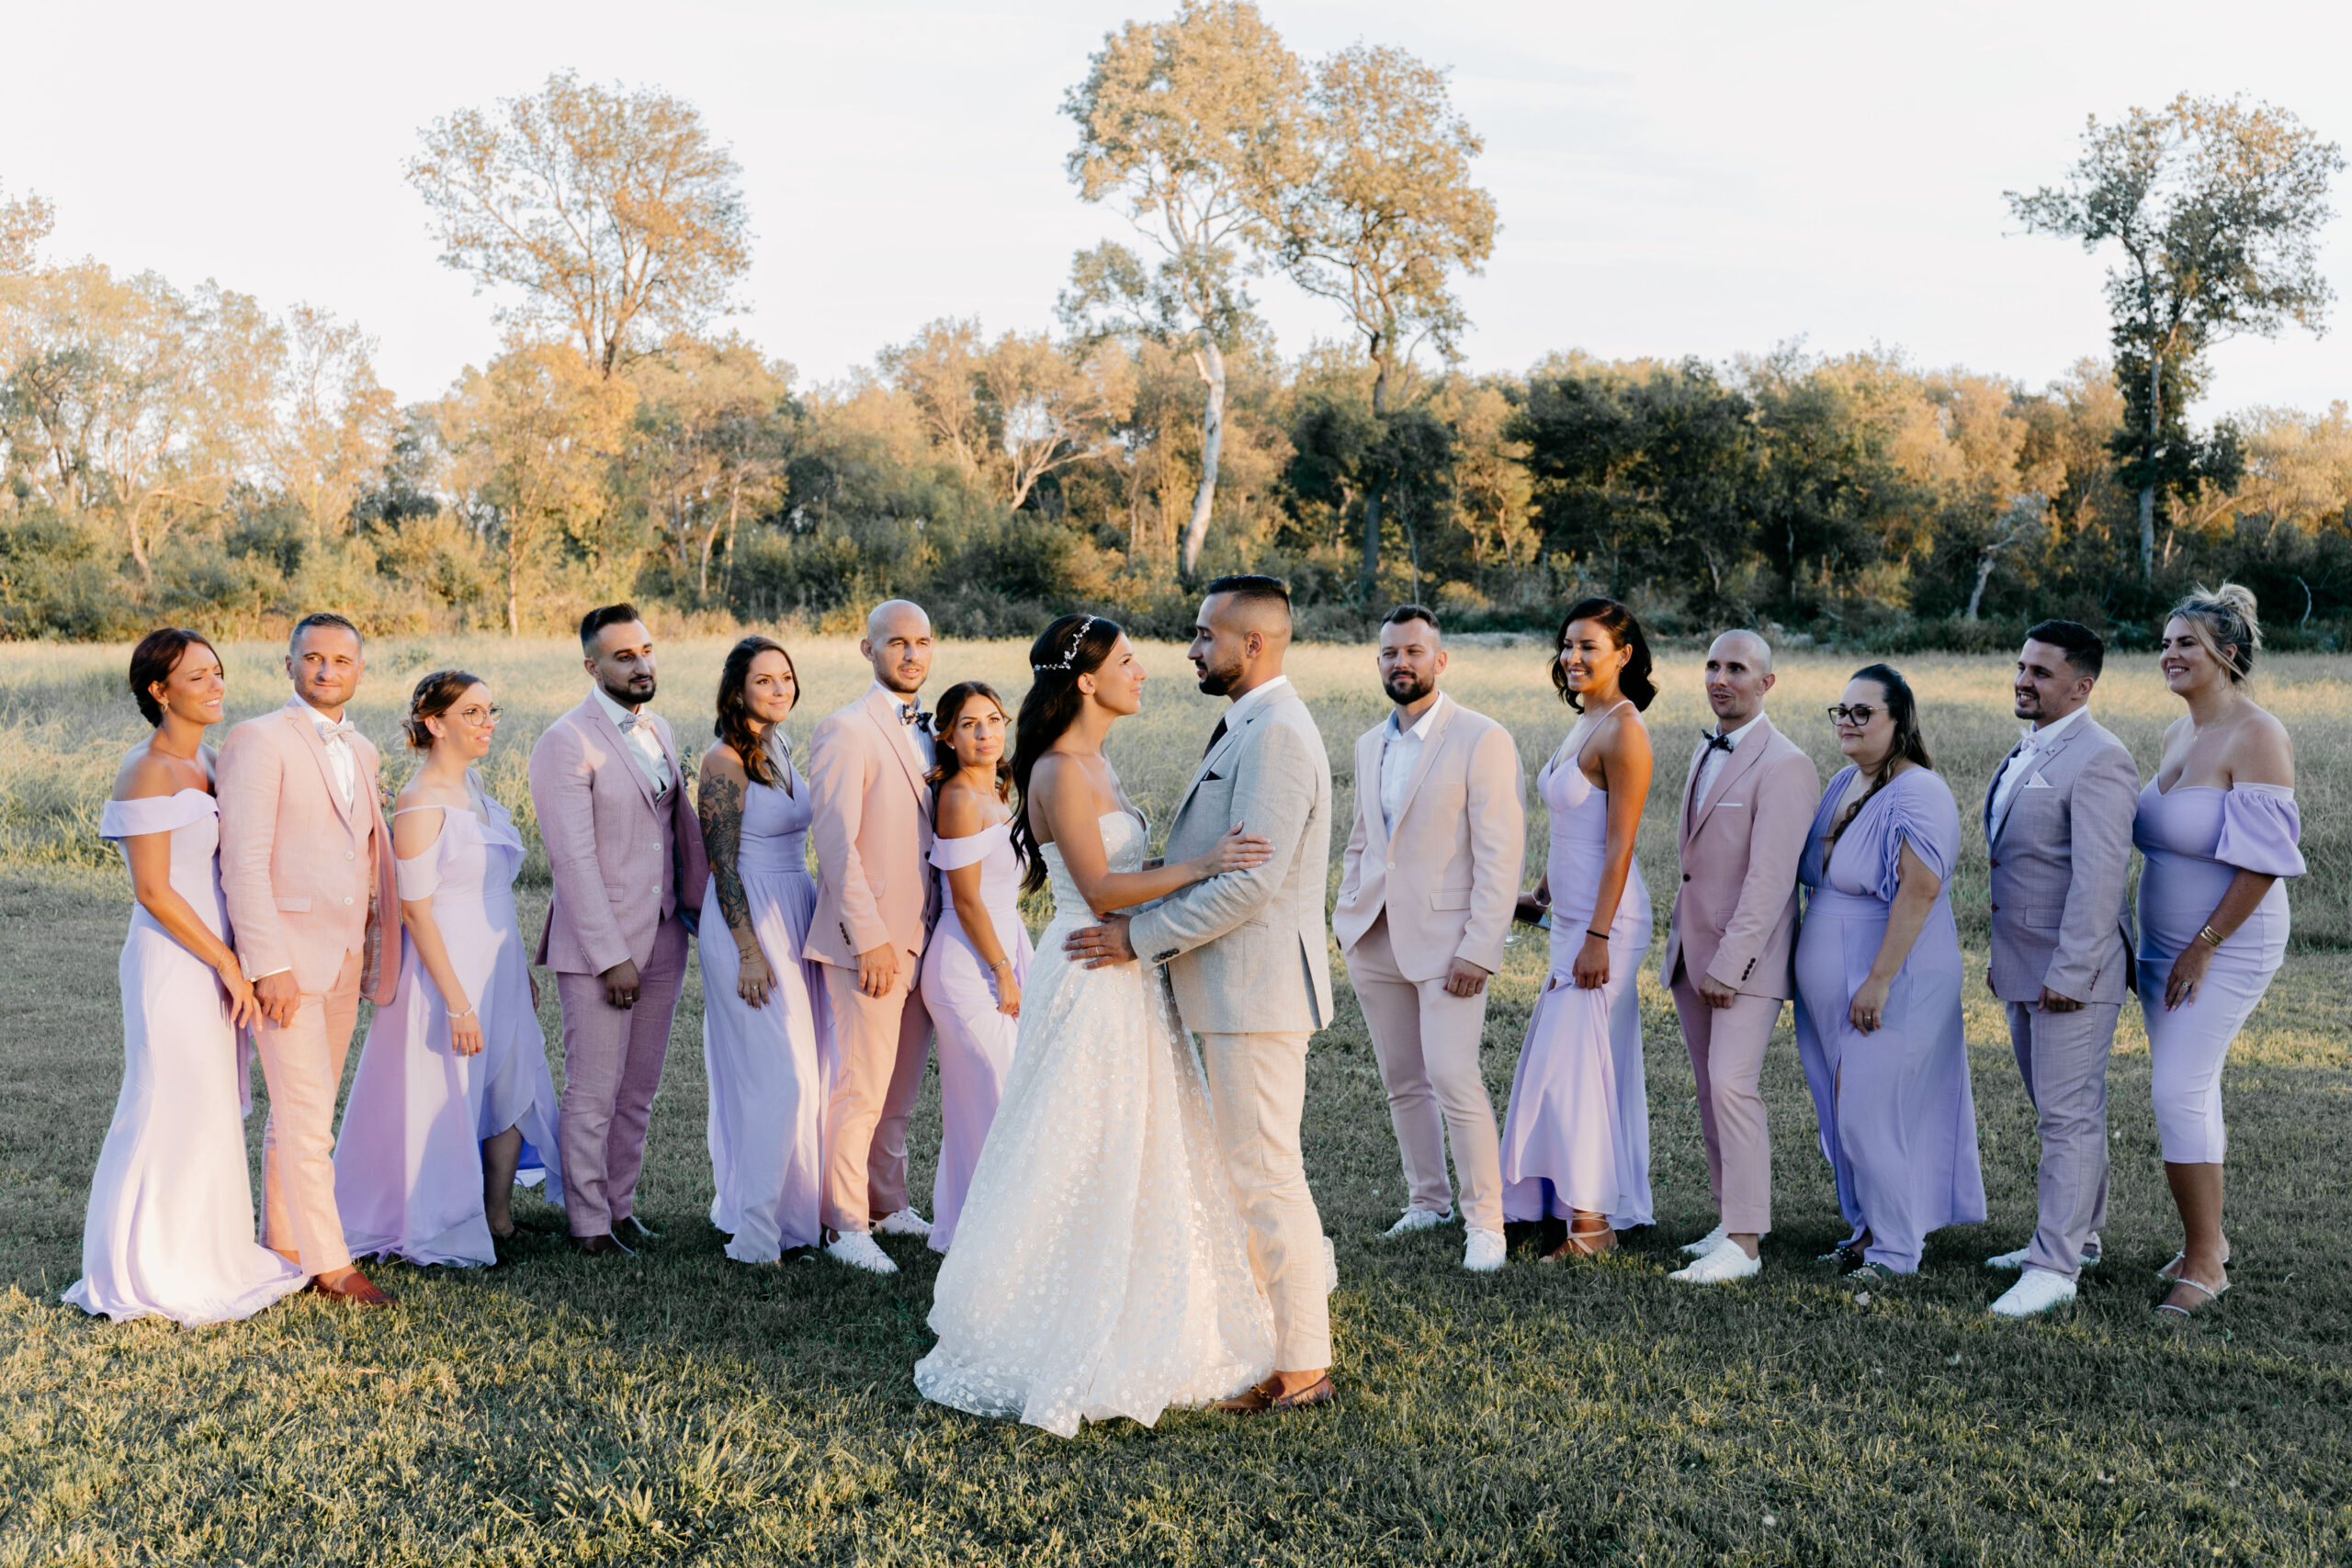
(1072, 646)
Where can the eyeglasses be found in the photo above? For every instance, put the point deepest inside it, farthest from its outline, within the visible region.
(477, 714)
(1857, 715)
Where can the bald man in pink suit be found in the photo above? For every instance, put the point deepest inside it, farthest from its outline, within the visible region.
(626, 858)
(306, 870)
(876, 898)
(1747, 804)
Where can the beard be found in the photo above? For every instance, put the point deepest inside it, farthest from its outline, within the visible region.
(1406, 688)
(1216, 681)
(628, 697)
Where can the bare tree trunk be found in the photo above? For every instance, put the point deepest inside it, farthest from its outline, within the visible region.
(1984, 575)
(513, 586)
(1372, 496)
(1209, 361)
(2148, 491)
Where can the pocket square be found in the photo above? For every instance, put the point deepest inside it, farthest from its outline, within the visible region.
(1212, 777)
(2038, 782)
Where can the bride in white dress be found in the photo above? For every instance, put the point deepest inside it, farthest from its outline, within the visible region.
(1100, 1268)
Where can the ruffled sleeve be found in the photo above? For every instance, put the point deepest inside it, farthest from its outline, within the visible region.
(953, 854)
(2260, 829)
(1921, 812)
(121, 819)
(417, 879)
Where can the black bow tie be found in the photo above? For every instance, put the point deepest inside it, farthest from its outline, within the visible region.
(909, 714)
(1715, 743)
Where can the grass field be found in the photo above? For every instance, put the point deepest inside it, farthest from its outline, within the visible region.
(682, 1408)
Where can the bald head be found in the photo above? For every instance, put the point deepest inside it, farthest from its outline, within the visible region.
(1739, 671)
(898, 643)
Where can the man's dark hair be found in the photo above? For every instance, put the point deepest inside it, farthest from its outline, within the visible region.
(605, 616)
(1251, 588)
(322, 618)
(2083, 647)
(1404, 613)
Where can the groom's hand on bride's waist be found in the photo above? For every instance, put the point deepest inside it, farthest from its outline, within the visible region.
(1098, 947)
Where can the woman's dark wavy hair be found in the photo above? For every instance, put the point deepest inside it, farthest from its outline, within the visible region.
(1625, 632)
(1072, 646)
(734, 725)
(436, 694)
(153, 661)
(1903, 712)
(943, 723)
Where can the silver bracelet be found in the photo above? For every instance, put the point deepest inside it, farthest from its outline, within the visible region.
(454, 1016)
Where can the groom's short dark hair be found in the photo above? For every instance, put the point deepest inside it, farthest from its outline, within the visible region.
(2084, 648)
(1249, 588)
(605, 616)
(1403, 613)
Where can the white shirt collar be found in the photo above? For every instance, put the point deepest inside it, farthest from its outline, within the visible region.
(1250, 698)
(2035, 739)
(1421, 726)
(613, 710)
(1736, 736)
(893, 698)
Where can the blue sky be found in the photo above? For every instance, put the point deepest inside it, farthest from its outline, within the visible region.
(1698, 179)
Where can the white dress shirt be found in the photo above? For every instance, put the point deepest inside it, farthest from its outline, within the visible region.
(1249, 699)
(651, 759)
(915, 741)
(1401, 752)
(2020, 762)
(334, 734)
(1713, 758)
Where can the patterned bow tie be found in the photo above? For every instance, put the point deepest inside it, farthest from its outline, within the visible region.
(344, 731)
(629, 721)
(908, 713)
(1715, 743)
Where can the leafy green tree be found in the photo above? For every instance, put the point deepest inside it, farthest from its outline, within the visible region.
(2217, 209)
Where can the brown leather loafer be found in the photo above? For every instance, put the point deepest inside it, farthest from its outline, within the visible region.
(358, 1290)
(1261, 1399)
(604, 1245)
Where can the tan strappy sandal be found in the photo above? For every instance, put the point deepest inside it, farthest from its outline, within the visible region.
(2212, 1293)
(1582, 1242)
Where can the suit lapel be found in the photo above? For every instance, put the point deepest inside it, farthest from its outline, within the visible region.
(1430, 744)
(2041, 759)
(1743, 757)
(883, 714)
(1223, 748)
(598, 719)
(299, 712)
(1688, 822)
(1369, 766)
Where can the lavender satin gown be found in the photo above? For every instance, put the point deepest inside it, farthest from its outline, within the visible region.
(1578, 1133)
(408, 1161)
(975, 1041)
(1898, 1122)
(169, 1229)
(769, 1066)
(2193, 842)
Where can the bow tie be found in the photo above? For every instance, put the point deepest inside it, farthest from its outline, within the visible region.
(629, 721)
(331, 733)
(909, 712)
(1715, 743)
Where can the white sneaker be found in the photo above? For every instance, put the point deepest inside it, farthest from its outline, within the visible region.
(1705, 1244)
(1725, 1264)
(1330, 1266)
(2016, 1260)
(2036, 1290)
(1414, 1221)
(906, 1222)
(860, 1250)
(1483, 1253)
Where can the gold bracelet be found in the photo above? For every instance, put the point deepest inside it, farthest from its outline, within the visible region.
(2211, 936)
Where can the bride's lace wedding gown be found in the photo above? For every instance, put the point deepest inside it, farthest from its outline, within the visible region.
(1100, 1268)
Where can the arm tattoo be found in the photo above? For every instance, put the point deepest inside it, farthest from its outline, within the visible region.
(720, 807)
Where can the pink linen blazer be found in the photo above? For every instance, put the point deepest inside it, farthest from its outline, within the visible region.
(872, 830)
(623, 861)
(306, 879)
(1448, 874)
(1736, 910)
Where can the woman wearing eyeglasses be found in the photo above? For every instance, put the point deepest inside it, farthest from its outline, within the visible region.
(452, 1104)
(1878, 986)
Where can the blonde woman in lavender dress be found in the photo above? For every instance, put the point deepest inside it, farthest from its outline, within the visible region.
(452, 1104)
(979, 953)
(2217, 830)
(1576, 1141)
(169, 1231)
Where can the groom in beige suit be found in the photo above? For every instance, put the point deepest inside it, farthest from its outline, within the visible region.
(1747, 804)
(306, 869)
(2058, 827)
(1249, 957)
(1425, 892)
(875, 900)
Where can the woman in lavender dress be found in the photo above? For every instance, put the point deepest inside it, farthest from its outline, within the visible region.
(169, 1231)
(978, 953)
(1576, 1142)
(452, 1104)
(1878, 973)
(767, 1036)
(2218, 828)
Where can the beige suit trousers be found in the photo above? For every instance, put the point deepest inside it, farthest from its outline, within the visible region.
(882, 1043)
(1426, 1040)
(1258, 1093)
(1727, 1059)
(304, 1065)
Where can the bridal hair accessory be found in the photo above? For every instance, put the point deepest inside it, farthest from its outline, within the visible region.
(1069, 654)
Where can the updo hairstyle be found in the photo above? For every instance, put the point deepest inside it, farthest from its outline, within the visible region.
(153, 661)
(435, 696)
(2222, 620)
(1625, 632)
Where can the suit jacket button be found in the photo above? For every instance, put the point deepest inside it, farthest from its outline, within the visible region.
(1686, 876)
(347, 900)
(346, 854)
(1993, 863)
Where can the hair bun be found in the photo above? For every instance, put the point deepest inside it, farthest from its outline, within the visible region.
(2239, 599)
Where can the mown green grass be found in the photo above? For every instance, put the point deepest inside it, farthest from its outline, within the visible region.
(682, 1408)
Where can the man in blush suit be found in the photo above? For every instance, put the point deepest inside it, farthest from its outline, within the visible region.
(1746, 807)
(876, 898)
(626, 857)
(2058, 828)
(1426, 891)
(306, 869)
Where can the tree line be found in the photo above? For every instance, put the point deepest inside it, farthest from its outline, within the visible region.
(176, 454)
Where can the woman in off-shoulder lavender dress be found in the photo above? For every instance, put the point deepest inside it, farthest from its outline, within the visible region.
(978, 953)
(1877, 971)
(452, 1104)
(2217, 827)
(766, 1033)
(169, 1231)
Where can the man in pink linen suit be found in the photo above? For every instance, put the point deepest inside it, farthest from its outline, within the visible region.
(626, 858)
(876, 898)
(1747, 808)
(306, 870)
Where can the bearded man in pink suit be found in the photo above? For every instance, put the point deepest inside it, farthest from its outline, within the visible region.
(626, 857)
(306, 870)
(1748, 804)
(876, 898)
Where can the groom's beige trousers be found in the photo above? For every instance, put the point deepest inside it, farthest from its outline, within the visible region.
(1258, 1092)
